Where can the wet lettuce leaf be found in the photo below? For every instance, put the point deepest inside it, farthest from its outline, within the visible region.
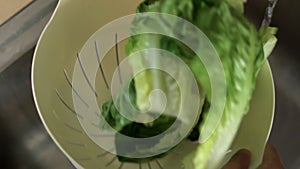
(237, 5)
(141, 147)
(268, 38)
(242, 51)
(113, 118)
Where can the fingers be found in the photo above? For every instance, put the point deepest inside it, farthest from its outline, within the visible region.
(241, 160)
(271, 159)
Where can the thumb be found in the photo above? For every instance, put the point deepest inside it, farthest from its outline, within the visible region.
(241, 160)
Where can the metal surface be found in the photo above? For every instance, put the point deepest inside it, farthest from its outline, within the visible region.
(21, 32)
(25, 144)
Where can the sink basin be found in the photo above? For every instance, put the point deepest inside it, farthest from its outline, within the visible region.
(24, 141)
(27, 145)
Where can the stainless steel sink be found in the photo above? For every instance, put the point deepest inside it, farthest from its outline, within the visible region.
(25, 143)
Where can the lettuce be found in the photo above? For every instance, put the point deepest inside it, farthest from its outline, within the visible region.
(242, 50)
(114, 119)
(268, 38)
(237, 5)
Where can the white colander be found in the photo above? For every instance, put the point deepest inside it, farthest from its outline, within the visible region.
(72, 26)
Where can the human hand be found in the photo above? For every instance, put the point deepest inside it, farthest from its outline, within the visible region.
(241, 160)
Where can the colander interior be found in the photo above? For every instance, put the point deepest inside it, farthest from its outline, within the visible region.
(72, 25)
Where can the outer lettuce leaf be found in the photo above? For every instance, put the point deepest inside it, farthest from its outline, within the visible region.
(142, 148)
(242, 51)
(149, 80)
(269, 40)
(111, 114)
(113, 118)
(237, 5)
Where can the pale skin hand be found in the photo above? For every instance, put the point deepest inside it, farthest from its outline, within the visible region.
(241, 160)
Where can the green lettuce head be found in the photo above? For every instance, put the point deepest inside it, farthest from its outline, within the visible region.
(242, 50)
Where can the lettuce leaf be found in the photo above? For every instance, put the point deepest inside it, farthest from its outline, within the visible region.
(241, 48)
(142, 148)
(112, 118)
(237, 5)
(268, 38)
(242, 51)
